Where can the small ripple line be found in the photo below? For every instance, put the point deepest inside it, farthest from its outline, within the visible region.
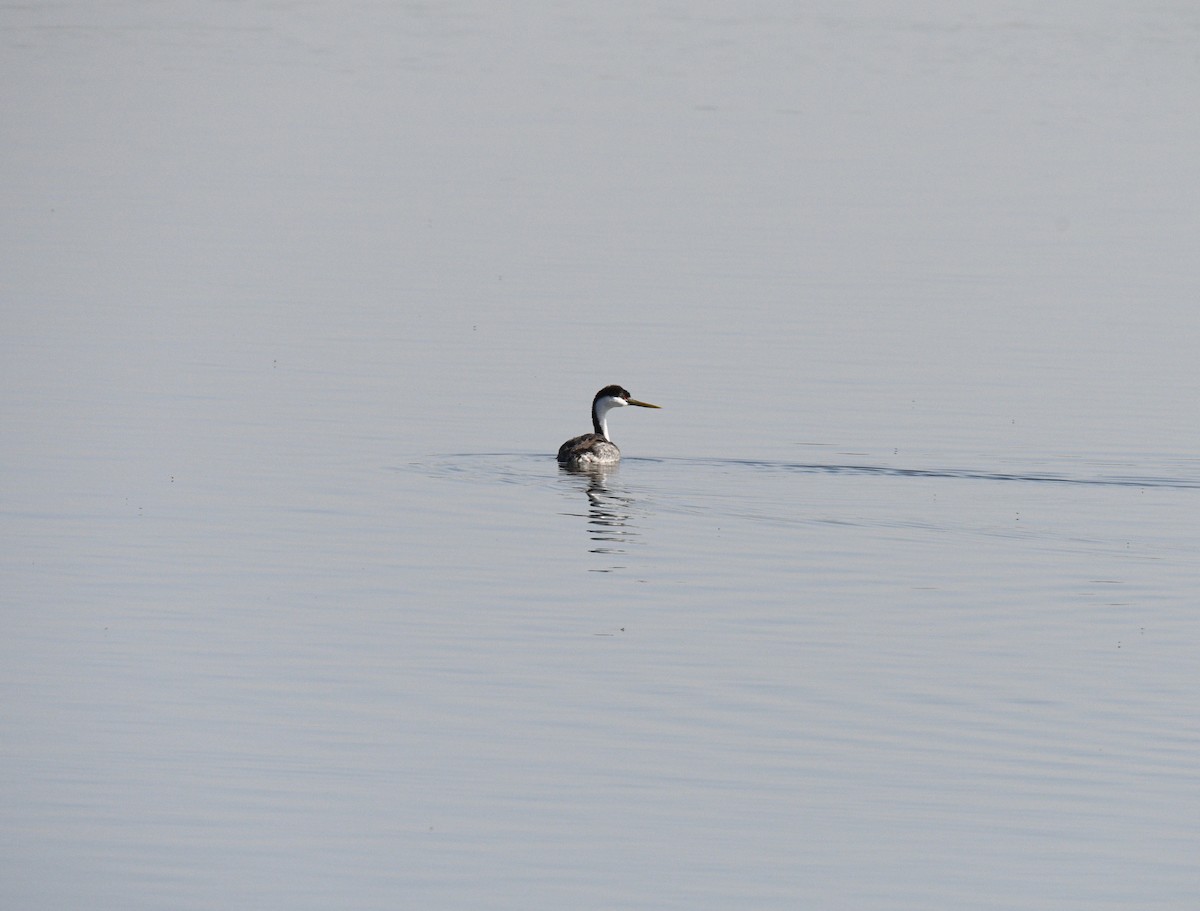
(958, 474)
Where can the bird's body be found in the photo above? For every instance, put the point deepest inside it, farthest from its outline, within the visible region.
(589, 449)
(595, 449)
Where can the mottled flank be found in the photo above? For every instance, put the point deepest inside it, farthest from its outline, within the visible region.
(589, 449)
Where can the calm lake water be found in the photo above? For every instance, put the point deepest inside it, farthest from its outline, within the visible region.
(893, 605)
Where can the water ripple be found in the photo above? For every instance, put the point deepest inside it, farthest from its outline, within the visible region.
(519, 467)
(962, 474)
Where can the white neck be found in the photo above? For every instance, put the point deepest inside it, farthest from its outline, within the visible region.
(602, 408)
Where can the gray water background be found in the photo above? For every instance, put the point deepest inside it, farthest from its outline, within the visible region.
(893, 605)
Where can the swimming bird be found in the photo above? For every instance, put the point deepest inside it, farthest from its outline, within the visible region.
(597, 448)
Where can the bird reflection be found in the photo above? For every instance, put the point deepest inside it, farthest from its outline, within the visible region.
(611, 511)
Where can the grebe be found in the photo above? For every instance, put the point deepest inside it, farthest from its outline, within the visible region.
(596, 448)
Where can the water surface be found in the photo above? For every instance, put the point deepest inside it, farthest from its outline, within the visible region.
(893, 605)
